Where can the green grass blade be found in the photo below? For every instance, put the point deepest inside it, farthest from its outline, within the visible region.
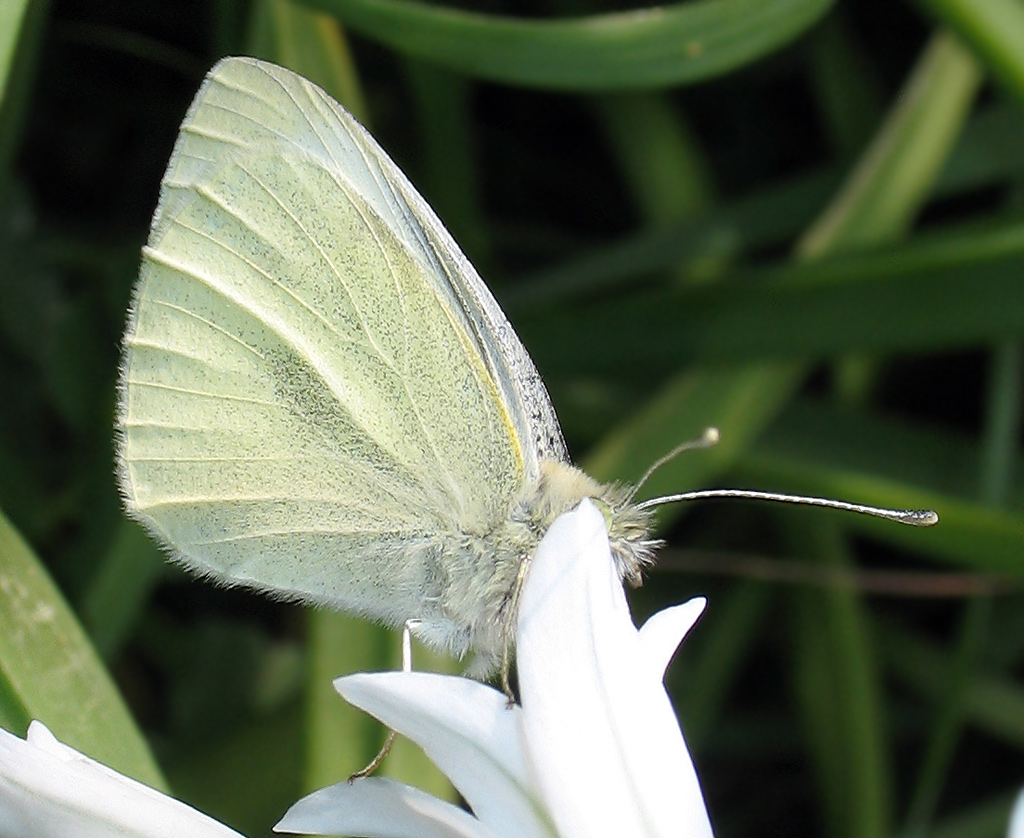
(340, 739)
(946, 730)
(986, 155)
(12, 14)
(676, 44)
(815, 692)
(22, 29)
(740, 402)
(662, 164)
(995, 30)
(847, 88)
(449, 173)
(838, 684)
(50, 671)
(998, 456)
(248, 777)
(764, 218)
(890, 183)
(993, 703)
(729, 631)
(957, 289)
(117, 594)
(1002, 423)
(984, 820)
(835, 453)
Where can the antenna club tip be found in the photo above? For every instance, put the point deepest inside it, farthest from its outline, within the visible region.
(925, 517)
(711, 436)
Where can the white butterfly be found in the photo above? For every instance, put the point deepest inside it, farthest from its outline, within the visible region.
(319, 397)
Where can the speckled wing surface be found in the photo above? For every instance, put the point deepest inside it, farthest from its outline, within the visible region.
(316, 383)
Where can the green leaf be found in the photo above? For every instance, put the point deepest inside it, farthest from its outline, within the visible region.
(948, 722)
(739, 402)
(49, 670)
(677, 44)
(847, 87)
(12, 14)
(839, 685)
(448, 170)
(729, 632)
(835, 453)
(341, 739)
(986, 155)
(661, 161)
(767, 217)
(955, 289)
(816, 691)
(993, 703)
(22, 25)
(118, 592)
(994, 29)
(985, 820)
(896, 174)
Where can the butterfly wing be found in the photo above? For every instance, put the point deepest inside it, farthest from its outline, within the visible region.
(271, 103)
(317, 390)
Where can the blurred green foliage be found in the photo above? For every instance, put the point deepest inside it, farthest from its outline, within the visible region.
(800, 221)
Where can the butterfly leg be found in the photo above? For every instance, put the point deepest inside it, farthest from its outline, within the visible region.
(509, 632)
(406, 667)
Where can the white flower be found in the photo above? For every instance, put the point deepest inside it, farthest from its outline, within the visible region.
(595, 748)
(1016, 829)
(48, 790)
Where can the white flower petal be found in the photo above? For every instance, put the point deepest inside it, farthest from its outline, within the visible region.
(377, 807)
(1016, 829)
(468, 731)
(603, 738)
(664, 631)
(48, 790)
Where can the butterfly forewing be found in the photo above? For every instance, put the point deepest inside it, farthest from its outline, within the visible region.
(303, 399)
(246, 103)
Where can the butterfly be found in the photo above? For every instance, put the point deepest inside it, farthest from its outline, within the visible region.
(320, 398)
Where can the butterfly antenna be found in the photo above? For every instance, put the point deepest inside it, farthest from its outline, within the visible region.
(913, 517)
(706, 440)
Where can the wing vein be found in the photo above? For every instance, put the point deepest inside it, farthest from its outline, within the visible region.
(276, 325)
(323, 255)
(142, 343)
(209, 134)
(206, 322)
(439, 461)
(248, 92)
(243, 459)
(189, 392)
(266, 276)
(232, 539)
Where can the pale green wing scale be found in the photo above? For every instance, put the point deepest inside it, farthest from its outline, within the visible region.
(317, 386)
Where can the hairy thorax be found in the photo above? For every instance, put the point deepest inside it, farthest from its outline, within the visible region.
(483, 574)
